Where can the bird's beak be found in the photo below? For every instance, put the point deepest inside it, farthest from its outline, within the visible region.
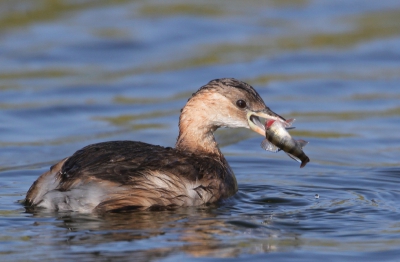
(253, 117)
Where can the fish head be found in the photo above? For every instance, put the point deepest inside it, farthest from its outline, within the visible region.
(269, 117)
(269, 123)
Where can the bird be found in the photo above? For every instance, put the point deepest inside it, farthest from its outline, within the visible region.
(122, 176)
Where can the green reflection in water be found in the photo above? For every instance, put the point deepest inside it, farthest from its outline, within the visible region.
(35, 74)
(147, 100)
(22, 13)
(127, 119)
(305, 133)
(79, 138)
(174, 9)
(7, 213)
(210, 8)
(346, 115)
(42, 104)
(9, 80)
(366, 27)
(369, 26)
(14, 238)
(375, 96)
(288, 77)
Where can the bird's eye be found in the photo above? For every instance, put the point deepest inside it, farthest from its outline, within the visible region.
(241, 103)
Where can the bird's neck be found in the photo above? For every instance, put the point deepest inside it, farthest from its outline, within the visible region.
(196, 129)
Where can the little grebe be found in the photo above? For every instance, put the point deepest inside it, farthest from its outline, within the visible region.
(123, 175)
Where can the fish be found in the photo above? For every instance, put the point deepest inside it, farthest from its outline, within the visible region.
(277, 138)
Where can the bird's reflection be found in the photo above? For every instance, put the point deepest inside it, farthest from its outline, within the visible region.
(195, 231)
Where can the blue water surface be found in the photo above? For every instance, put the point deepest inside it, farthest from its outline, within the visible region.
(74, 73)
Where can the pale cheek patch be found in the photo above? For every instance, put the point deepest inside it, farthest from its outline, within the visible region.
(227, 115)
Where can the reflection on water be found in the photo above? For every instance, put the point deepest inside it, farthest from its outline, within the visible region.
(74, 73)
(259, 219)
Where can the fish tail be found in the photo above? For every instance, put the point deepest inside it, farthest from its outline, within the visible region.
(304, 161)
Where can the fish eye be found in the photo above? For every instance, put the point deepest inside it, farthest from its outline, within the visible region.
(240, 103)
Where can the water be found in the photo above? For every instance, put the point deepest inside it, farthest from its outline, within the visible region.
(74, 73)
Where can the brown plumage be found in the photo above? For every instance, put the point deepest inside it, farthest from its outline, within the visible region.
(124, 175)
